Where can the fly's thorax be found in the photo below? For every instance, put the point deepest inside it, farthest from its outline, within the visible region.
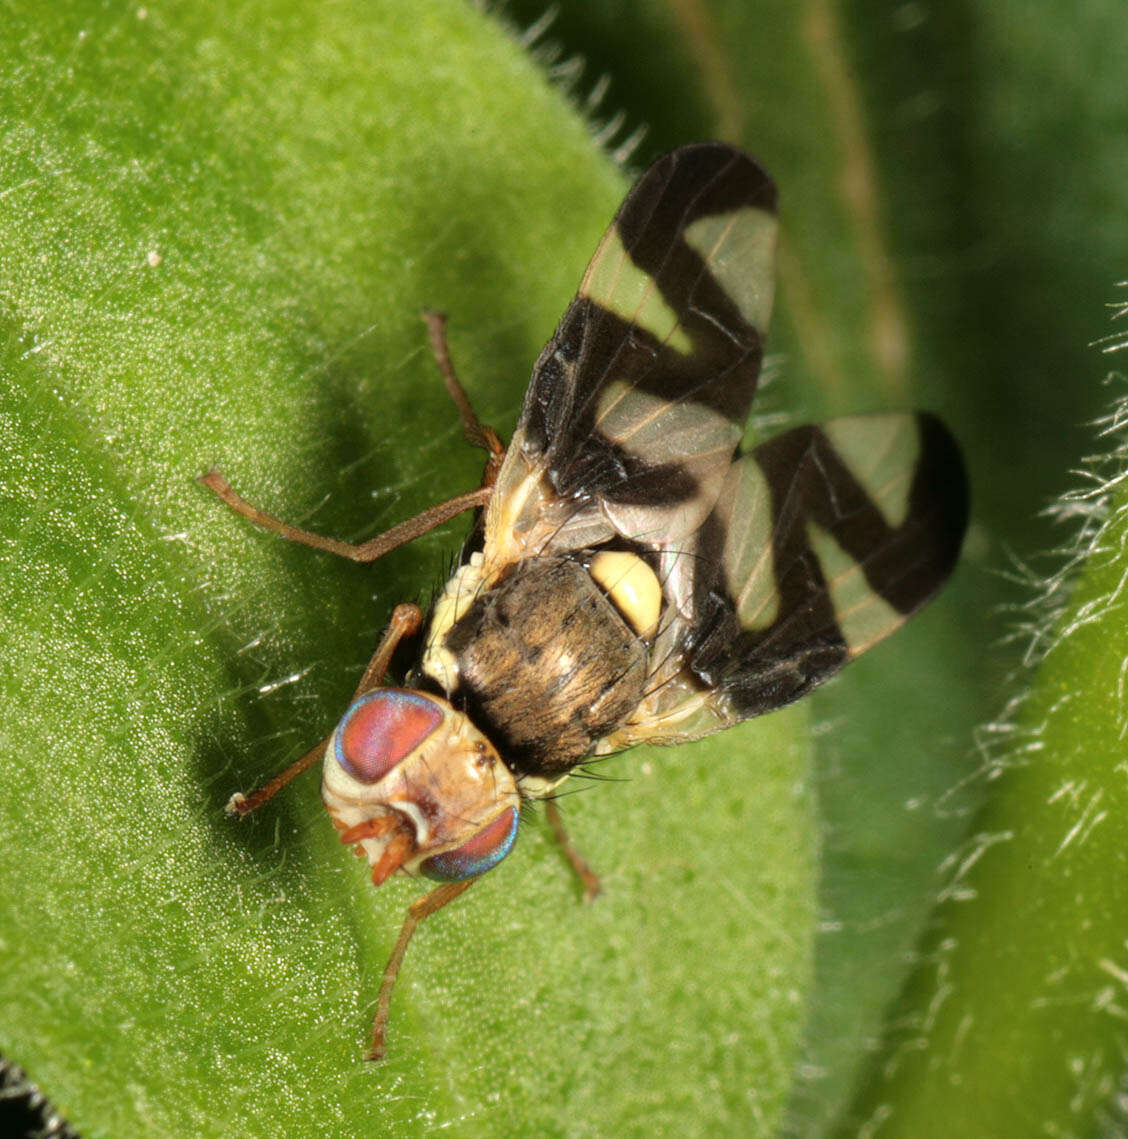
(417, 787)
(547, 665)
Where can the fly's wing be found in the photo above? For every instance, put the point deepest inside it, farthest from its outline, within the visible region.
(823, 541)
(775, 569)
(638, 402)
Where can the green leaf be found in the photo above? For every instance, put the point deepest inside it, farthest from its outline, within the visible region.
(217, 230)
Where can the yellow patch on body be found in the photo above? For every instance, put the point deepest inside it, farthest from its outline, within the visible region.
(632, 586)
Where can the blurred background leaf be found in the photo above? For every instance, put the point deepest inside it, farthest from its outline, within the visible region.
(1017, 994)
(217, 230)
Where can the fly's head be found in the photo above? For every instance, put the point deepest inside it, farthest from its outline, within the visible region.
(418, 788)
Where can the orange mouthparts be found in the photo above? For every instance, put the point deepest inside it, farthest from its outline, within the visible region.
(400, 847)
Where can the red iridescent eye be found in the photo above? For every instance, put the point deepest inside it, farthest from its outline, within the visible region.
(479, 854)
(381, 729)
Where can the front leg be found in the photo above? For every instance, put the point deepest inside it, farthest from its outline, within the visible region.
(407, 619)
(418, 911)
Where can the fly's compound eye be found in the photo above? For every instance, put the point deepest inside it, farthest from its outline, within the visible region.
(418, 788)
(477, 855)
(381, 729)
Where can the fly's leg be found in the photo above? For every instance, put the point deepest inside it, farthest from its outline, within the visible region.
(419, 910)
(240, 804)
(476, 434)
(406, 622)
(374, 548)
(588, 877)
(358, 552)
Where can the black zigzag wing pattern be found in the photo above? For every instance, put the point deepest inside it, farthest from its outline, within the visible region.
(866, 519)
(638, 402)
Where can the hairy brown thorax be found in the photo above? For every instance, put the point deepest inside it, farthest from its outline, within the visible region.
(547, 665)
